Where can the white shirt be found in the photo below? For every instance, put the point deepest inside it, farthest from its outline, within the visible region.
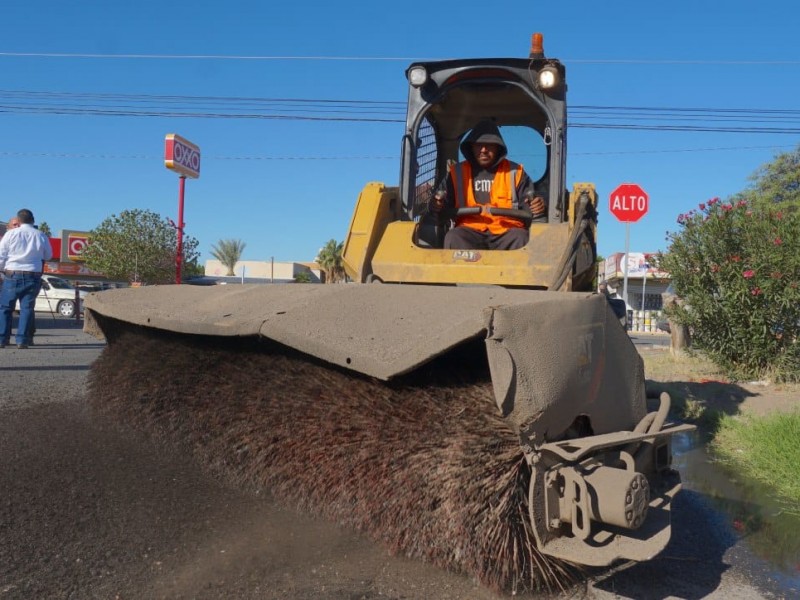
(24, 249)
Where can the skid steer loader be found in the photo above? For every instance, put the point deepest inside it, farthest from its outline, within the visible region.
(593, 482)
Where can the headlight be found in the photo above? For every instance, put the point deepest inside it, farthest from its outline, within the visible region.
(417, 76)
(548, 78)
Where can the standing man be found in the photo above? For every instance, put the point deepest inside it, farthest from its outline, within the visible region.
(13, 223)
(22, 254)
(487, 179)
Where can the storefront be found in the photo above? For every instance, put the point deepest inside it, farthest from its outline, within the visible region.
(646, 284)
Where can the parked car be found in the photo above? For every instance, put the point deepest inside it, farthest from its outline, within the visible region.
(620, 310)
(97, 286)
(58, 296)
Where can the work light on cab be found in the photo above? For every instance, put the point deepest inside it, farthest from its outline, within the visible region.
(548, 78)
(417, 76)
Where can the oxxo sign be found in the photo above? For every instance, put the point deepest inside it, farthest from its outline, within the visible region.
(73, 243)
(182, 156)
(629, 203)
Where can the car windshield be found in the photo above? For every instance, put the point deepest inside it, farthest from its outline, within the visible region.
(59, 284)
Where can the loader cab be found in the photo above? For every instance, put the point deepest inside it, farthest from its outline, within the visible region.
(447, 99)
(525, 146)
(392, 237)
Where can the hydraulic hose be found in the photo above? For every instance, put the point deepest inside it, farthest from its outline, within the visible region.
(570, 251)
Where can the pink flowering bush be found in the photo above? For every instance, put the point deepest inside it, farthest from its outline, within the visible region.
(736, 265)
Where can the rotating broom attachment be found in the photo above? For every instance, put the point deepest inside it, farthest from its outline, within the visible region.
(424, 465)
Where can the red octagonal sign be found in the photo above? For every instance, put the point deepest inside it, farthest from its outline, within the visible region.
(629, 203)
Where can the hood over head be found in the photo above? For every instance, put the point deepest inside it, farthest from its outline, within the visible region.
(487, 132)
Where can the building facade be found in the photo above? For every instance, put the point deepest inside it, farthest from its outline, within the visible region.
(264, 271)
(646, 284)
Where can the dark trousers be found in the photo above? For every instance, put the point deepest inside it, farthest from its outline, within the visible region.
(22, 287)
(31, 328)
(466, 238)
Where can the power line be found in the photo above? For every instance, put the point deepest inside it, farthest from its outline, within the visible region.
(641, 118)
(635, 61)
(688, 128)
(202, 56)
(688, 109)
(682, 150)
(394, 106)
(360, 157)
(609, 61)
(205, 157)
(174, 114)
(95, 112)
(173, 97)
(22, 100)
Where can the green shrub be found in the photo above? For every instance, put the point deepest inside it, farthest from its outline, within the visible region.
(736, 266)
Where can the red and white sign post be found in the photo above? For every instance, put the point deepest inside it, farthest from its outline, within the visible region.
(629, 203)
(183, 157)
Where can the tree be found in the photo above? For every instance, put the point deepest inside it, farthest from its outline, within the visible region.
(228, 252)
(330, 259)
(777, 181)
(137, 246)
(303, 277)
(598, 276)
(736, 266)
(45, 229)
(192, 268)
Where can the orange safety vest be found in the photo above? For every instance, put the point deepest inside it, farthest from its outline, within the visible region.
(503, 195)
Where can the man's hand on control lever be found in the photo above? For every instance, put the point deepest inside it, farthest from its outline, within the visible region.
(437, 202)
(535, 204)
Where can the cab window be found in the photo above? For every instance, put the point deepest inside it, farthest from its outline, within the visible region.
(526, 147)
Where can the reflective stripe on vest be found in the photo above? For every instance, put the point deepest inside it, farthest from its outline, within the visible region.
(513, 179)
(482, 222)
(461, 201)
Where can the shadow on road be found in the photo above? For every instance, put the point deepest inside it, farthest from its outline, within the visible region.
(716, 395)
(45, 321)
(47, 368)
(692, 564)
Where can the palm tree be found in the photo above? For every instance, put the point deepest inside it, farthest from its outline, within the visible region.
(330, 259)
(228, 252)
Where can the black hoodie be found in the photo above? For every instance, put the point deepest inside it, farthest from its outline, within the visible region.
(487, 133)
(482, 178)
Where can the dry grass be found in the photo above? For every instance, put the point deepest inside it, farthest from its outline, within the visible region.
(424, 466)
(660, 365)
(701, 393)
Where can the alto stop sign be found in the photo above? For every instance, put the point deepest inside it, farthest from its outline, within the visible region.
(629, 203)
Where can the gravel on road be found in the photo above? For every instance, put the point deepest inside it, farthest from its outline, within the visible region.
(90, 508)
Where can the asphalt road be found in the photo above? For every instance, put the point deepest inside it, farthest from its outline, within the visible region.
(649, 341)
(92, 509)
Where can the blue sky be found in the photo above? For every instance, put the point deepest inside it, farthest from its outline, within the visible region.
(285, 187)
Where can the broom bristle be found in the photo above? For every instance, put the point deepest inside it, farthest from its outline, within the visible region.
(427, 469)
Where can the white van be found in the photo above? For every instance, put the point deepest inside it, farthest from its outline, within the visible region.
(58, 296)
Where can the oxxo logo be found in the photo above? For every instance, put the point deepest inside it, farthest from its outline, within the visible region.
(188, 157)
(76, 244)
(181, 155)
